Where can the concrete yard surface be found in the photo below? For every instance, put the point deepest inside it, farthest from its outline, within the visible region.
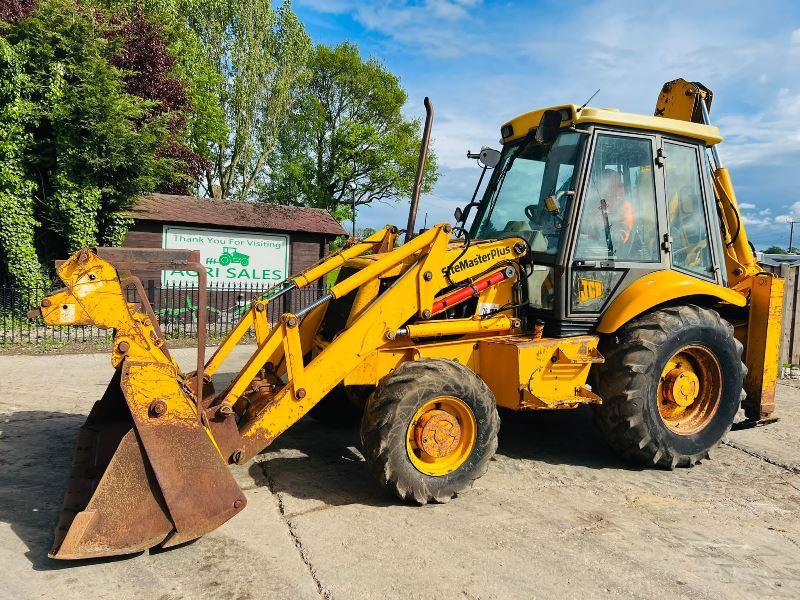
(557, 515)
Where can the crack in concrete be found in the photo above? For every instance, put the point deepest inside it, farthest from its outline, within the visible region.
(762, 457)
(298, 543)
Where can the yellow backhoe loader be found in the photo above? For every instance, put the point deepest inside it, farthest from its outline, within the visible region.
(607, 263)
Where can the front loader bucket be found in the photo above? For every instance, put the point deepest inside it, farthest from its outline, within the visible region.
(142, 478)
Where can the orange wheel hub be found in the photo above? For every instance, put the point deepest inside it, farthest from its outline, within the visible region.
(681, 387)
(441, 435)
(689, 390)
(437, 433)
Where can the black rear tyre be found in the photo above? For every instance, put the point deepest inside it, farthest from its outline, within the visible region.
(411, 412)
(671, 386)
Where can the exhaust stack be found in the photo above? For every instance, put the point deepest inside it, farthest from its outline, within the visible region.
(423, 156)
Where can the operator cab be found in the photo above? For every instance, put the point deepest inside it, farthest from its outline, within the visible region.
(602, 198)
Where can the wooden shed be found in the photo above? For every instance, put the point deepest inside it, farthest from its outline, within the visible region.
(240, 243)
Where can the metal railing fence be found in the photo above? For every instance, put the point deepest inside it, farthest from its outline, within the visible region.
(175, 305)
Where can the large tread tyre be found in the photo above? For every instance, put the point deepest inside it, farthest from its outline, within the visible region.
(628, 382)
(339, 409)
(391, 411)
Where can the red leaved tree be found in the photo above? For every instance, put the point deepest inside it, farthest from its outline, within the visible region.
(149, 66)
(13, 11)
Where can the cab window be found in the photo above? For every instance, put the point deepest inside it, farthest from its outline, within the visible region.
(618, 216)
(686, 211)
(529, 193)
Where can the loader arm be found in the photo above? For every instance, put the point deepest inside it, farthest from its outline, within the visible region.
(412, 295)
(129, 488)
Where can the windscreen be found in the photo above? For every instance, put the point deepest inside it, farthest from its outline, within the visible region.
(515, 200)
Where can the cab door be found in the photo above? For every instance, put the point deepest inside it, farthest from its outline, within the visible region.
(694, 244)
(620, 230)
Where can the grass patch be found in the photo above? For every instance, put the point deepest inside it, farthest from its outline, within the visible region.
(332, 277)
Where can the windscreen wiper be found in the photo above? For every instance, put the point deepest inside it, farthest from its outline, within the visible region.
(607, 226)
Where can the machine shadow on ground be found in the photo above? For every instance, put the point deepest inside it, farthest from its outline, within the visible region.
(309, 462)
(35, 462)
(314, 462)
(564, 437)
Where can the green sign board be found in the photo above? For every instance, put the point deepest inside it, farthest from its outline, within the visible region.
(230, 257)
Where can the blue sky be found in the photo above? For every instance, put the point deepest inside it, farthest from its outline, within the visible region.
(484, 62)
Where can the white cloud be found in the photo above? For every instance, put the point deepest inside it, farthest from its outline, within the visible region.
(429, 26)
(793, 214)
(482, 65)
(755, 221)
(455, 133)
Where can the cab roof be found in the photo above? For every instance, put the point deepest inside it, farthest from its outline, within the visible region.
(571, 115)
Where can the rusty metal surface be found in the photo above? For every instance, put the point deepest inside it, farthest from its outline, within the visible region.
(147, 469)
(226, 433)
(209, 392)
(113, 504)
(169, 256)
(127, 259)
(198, 488)
(126, 277)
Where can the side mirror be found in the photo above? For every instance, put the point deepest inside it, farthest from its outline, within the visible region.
(458, 214)
(548, 127)
(489, 157)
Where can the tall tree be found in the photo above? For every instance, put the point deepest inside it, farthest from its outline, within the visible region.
(18, 260)
(85, 147)
(348, 138)
(261, 55)
(164, 54)
(149, 73)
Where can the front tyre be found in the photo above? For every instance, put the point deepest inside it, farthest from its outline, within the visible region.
(429, 430)
(671, 386)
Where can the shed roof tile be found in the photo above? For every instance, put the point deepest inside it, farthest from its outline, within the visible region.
(169, 208)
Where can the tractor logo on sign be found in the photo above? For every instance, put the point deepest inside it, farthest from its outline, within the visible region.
(233, 256)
